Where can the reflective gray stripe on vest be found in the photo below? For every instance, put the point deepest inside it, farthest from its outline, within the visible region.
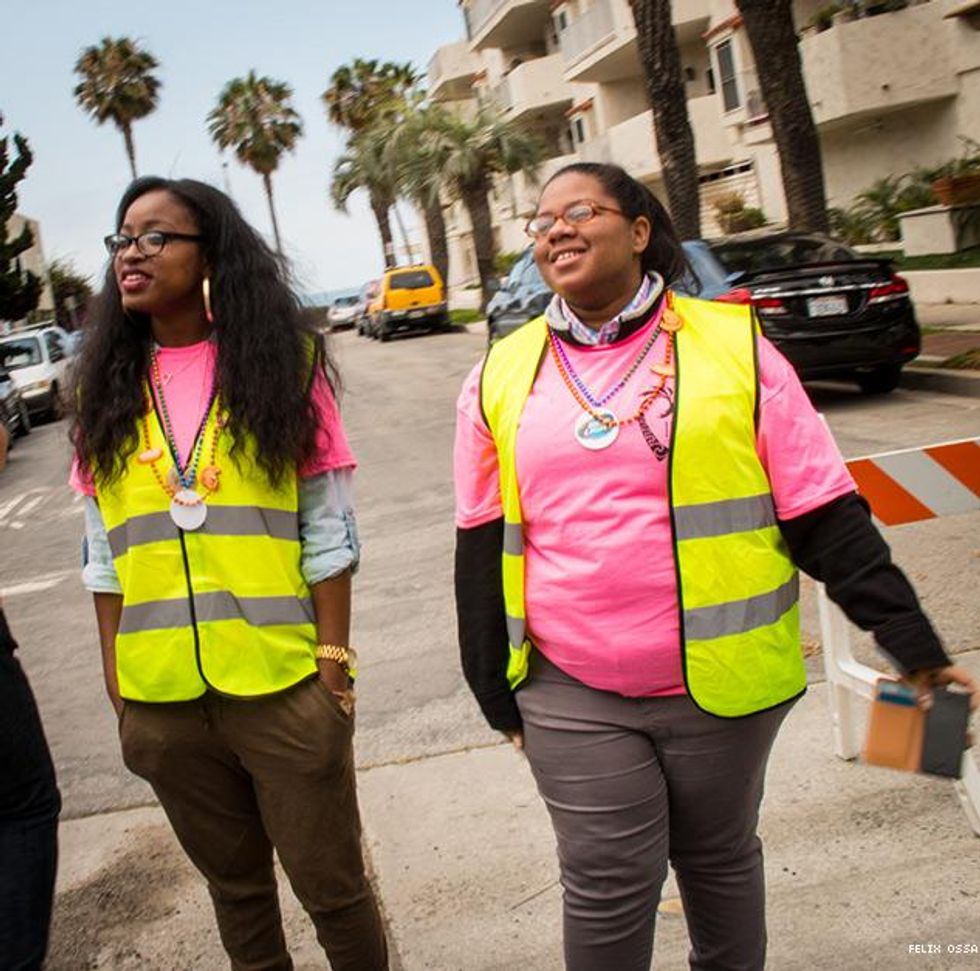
(724, 517)
(513, 539)
(515, 631)
(739, 616)
(222, 521)
(219, 605)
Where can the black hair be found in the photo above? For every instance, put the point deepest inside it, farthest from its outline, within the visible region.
(664, 253)
(266, 348)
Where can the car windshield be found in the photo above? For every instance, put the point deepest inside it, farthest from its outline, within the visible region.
(760, 255)
(345, 301)
(410, 280)
(21, 352)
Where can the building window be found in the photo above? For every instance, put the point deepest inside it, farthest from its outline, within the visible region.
(709, 79)
(578, 130)
(726, 75)
(561, 20)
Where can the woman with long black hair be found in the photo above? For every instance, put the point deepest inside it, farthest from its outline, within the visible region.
(220, 545)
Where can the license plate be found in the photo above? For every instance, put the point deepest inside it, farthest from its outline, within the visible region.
(826, 306)
(415, 314)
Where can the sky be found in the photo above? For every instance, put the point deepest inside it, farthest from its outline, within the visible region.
(80, 168)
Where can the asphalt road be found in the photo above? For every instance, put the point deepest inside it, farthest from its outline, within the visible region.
(398, 404)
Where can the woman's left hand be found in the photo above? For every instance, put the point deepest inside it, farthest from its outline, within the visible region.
(334, 676)
(926, 679)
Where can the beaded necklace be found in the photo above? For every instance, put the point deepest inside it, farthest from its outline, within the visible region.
(187, 508)
(598, 402)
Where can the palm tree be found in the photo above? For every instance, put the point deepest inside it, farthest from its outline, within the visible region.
(661, 64)
(772, 35)
(470, 153)
(416, 167)
(361, 91)
(364, 166)
(253, 116)
(117, 84)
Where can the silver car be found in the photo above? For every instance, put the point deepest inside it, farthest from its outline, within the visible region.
(37, 360)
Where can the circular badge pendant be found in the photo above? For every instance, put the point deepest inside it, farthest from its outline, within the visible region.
(187, 510)
(592, 434)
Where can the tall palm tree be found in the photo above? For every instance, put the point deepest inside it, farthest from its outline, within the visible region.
(661, 64)
(117, 84)
(772, 36)
(254, 117)
(361, 91)
(416, 167)
(364, 166)
(470, 153)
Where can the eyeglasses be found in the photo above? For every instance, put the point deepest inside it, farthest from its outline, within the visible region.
(574, 214)
(149, 244)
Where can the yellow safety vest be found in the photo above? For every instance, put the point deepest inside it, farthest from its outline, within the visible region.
(737, 587)
(225, 607)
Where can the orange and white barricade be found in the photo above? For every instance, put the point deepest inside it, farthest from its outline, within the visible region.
(906, 486)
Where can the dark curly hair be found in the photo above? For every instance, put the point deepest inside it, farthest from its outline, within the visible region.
(267, 351)
(664, 253)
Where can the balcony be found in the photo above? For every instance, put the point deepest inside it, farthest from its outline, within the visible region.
(527, 190)
(451, 72)
(533, 86)
(878, 64)
(601, 45)
(632, 143)
(505, 23)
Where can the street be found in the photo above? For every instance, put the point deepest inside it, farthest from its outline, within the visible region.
(398, 404)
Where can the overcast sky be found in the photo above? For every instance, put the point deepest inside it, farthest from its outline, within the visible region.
(80, 168)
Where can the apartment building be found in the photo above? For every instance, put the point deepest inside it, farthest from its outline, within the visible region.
(888, 93)
(32, 260)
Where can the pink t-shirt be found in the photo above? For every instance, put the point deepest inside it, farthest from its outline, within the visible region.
(600, 584)
(186, 374)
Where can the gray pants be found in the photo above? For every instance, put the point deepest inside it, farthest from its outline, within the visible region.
(631, 783)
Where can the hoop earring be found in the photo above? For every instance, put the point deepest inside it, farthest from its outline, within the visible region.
(206, 293)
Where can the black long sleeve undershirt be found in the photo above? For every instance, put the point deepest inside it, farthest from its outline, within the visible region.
(836, 543)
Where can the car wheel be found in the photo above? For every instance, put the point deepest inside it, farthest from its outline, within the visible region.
(881, 380)
(384, 335)
(25, 422)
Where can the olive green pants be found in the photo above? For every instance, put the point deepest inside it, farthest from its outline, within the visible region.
(237, 778)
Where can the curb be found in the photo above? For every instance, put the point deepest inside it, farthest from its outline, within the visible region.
(943, 380)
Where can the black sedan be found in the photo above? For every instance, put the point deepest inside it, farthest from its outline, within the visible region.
(833, 312)
(13, 408)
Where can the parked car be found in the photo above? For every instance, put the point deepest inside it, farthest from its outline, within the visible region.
(13, 408)
(344, 312)
(365, 298)
(521, 296)
(38, 362)
(408, 298)
(833, 312)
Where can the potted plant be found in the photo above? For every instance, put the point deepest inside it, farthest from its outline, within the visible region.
(957, 183)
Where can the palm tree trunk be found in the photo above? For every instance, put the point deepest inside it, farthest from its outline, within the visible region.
(380, 209)
(478, 206)
(127, 132)
(665, 90)
(267, 183)
(435, 229)
(769, 24)
(404, 235)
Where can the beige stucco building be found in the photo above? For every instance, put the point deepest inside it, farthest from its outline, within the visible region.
(32, 259)
(889, 92)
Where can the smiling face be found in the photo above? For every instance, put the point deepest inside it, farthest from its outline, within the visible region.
(168, 285)
(594, 265)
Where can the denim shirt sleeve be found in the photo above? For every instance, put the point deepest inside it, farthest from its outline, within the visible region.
(98, 570)
(327, 528)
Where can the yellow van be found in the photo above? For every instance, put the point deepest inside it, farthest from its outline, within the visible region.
(408, 298)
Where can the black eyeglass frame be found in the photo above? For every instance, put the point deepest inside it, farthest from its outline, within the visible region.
(116, 243)
(594, 209)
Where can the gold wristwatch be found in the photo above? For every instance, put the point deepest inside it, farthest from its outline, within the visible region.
(346, 657)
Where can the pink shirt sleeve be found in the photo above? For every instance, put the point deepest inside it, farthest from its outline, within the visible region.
(795, 446)
(80, 478)
(475, 470)
(332, 450)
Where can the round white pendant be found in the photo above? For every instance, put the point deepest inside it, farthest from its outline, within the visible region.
(187, 510)
(593, 434)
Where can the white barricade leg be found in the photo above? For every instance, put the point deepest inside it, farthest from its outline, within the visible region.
(968, 789)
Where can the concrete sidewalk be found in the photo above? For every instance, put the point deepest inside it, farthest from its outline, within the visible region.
(862, 864)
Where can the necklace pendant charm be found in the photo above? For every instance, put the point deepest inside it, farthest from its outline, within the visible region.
(593, 434)
(664, 370)
(209, 478)
(187, 510)
(149, 456)
(173, 480)
(671, 321)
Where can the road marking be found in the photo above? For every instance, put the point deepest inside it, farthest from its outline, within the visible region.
(39, 584)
